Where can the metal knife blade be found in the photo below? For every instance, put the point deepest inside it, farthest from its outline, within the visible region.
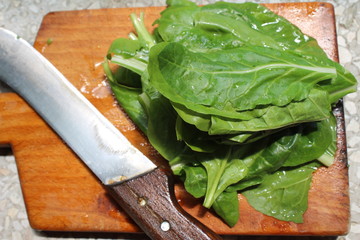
(142, 189)
(94, 139)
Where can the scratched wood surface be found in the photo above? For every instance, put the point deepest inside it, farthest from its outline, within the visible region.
(61, 194)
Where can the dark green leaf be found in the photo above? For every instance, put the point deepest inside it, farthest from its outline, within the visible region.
(197, 140)
(224, 78)
(227, 207)
(223, 169)
(283, 194)
(123, 46)
(311, 141)
(128, 99)
(161, 129)
(195, 180)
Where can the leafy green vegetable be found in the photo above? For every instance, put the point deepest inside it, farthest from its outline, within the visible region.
(231, 25)
(312, 141)
(283, 194)
(273, 117)
(226, 206)
(195, 181)
(196, 140)
(231, 80)
(236, 98)
(222, 171)
(126, 87)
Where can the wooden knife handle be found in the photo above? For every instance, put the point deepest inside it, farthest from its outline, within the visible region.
(150, 201)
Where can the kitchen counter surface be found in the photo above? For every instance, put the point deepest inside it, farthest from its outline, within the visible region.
(24, 18)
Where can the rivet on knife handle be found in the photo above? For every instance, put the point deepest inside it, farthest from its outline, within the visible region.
(150, 201)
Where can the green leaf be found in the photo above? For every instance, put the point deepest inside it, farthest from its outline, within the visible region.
(128, 99)
(343, 84)
(123, 46)
(195, 180)
(311, 141)
(212, 31)
(227, 207)
(222, 170)
(179, 3)
(161, 129)
(266, 155)
(224, 77)
(197, 140)
(283, 194)
(315, 108)
(244, 33)
(328, 157)
(124, 76)
(245, 184)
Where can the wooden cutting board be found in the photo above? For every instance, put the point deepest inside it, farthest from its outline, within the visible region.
(61, 194)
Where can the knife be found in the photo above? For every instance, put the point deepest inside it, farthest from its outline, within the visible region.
(142, 189)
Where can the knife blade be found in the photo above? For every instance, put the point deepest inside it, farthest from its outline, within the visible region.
(142, 189)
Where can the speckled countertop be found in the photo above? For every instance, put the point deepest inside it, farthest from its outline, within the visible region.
(24, 17)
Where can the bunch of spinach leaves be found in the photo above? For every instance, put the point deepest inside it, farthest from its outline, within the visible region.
(236, 98)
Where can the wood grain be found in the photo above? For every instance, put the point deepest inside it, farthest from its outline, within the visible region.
(61, 194)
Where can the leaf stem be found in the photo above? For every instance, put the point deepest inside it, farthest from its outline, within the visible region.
(132, 64)
(210, 195)
(141, 30)
(213, 182)
(326, 159)
(107, 70)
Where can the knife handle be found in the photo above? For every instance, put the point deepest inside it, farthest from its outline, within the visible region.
(150, 201)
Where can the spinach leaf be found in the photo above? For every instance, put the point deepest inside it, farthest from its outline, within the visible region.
(224, 77)
(123, 46)
(327, 158)
(126, 77)
(125, 86)
(268, 154)
(227, 207)
(161, 129)
(344, 84)
(272, 117)
(195, 180)
(128, 99)
(222, 170)
(197, 140)
(277, 117)
(311, 141)
(283, 194)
